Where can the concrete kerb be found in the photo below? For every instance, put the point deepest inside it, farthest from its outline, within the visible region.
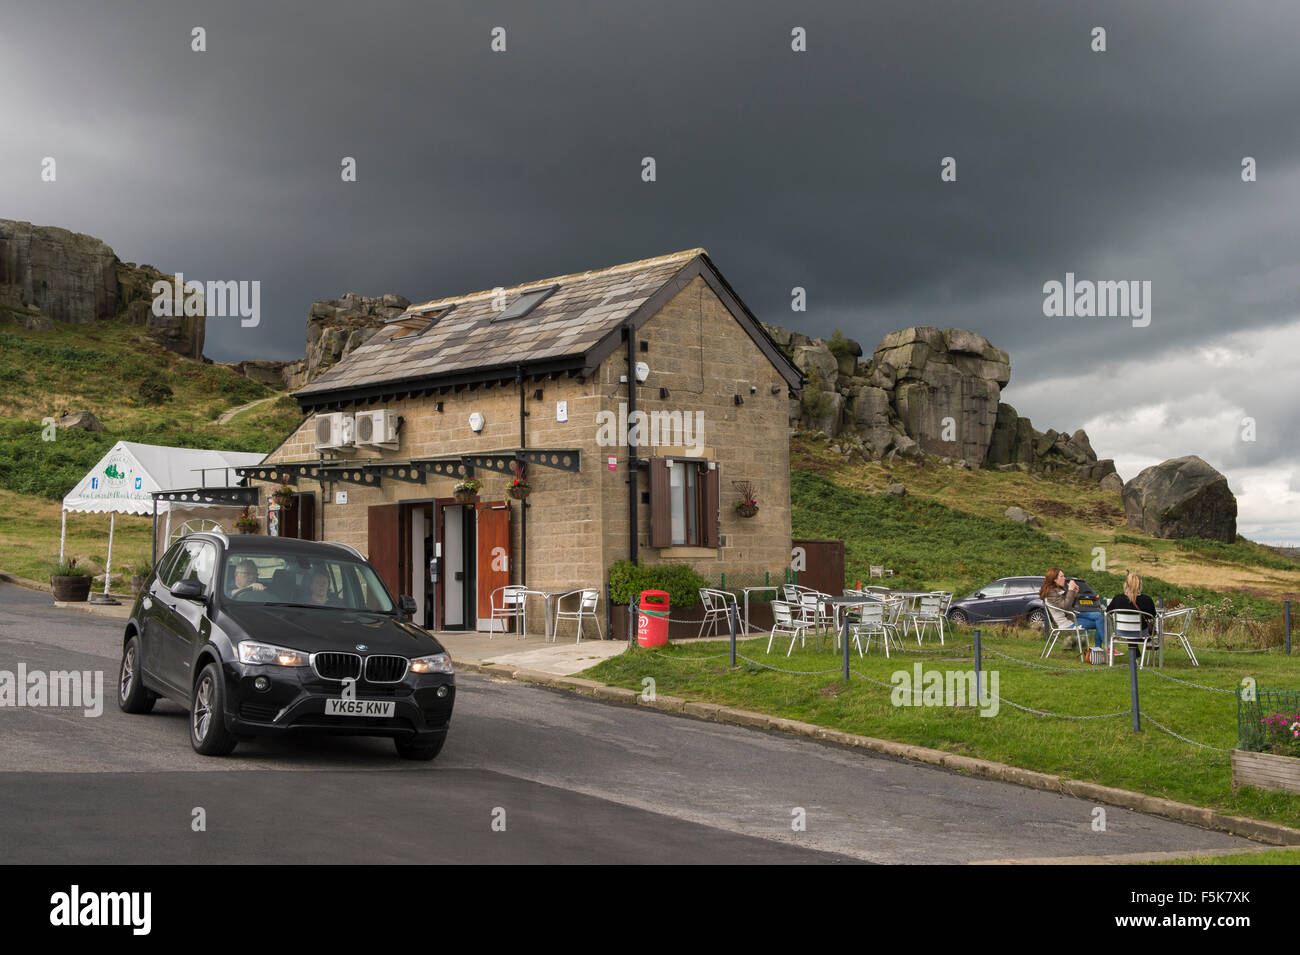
(1254, 829)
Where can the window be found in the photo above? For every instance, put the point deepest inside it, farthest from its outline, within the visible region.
(312, 581)
(198, 563)
(175, 564)
(684, 494)
(683, 503)
(417, 324)
(525, 303)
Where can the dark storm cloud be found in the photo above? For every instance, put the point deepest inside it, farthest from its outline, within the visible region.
(818, 170)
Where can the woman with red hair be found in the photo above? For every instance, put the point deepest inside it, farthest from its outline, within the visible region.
(1062, 596)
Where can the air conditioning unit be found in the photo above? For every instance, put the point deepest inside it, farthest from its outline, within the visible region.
(334, 430)
(376, 429)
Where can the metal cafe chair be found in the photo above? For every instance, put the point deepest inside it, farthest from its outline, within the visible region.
(509, 603)
(586, 610)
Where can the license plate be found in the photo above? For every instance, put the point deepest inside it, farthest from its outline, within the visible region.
(378, 708)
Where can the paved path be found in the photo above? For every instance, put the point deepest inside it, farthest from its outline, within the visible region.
(575, 780)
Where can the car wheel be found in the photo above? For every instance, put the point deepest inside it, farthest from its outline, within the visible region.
(132, 697)
(208, 733)
(958, 617)
(1036, 618)
(420, 748)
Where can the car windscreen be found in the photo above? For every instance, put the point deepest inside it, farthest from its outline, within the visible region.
(303, 580)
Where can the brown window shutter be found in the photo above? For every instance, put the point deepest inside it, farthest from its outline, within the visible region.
(661, 505)
(709, 520)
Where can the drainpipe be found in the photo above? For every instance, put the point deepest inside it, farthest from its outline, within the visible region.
(632, 462)
(523, 505)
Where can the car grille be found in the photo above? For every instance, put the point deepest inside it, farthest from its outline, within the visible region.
(385, 669)
(336, 666)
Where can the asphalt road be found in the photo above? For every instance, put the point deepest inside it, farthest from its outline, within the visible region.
(527, 775)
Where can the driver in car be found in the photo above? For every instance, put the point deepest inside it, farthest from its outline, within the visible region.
(246, 582)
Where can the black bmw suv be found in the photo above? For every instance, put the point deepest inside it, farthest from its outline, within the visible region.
(1009, 598)
(266, 635)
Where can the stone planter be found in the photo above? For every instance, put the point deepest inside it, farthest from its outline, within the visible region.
(70, 589)
(1265, 771)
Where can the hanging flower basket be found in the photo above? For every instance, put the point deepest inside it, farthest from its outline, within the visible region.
(747, 508)
(247, 523)
(466, 492)
(282, 495)
(518, 490)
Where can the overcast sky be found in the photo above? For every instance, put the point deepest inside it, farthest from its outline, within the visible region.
(818, 169)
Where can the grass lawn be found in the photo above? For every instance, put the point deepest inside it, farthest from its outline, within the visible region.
(1271, 857)
(1103, 750)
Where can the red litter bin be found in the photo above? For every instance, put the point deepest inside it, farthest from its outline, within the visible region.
(652, 619)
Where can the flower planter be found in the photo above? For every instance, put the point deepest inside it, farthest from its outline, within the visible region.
(466, 497)
(747, 510)
(70, 589)
(518, 493)
(246, 528)
(1265, 771)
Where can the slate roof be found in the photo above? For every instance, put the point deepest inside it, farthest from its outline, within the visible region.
(560, 333)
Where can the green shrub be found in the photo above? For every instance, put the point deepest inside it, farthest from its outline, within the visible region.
(680, 581)
(154, 392)
(838, 345)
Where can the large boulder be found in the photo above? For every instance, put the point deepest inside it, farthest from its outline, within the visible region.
(337, 327)
(1182, 497)
(49, 275)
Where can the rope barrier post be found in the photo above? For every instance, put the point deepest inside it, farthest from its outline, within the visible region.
(1286, 624)
(731, 624)
(844, 638)
(978, 651)
(1133, 687)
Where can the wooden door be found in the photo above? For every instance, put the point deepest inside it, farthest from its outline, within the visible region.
(492, 567)
(385, 544)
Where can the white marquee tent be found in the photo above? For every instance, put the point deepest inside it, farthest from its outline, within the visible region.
(124, 480)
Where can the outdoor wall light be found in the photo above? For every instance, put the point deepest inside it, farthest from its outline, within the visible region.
(776, 389)
(753, 389)
(476, 423)
(438, 407)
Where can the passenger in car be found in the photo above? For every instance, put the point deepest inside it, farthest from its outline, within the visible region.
(1056, 592)
(320, 590)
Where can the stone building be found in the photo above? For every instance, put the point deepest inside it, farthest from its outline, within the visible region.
(654, 369)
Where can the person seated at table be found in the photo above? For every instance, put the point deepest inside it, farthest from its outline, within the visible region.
(1134, 599)
(1062, 595)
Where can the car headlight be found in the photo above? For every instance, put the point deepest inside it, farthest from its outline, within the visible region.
(268, 655)
(438, 663)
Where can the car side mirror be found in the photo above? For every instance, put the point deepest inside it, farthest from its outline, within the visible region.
(189, 589)
(406, 603)
(978, 595)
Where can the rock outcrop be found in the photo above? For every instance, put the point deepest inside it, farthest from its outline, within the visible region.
(928, 391)
(1182, 497)
(52, 275)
